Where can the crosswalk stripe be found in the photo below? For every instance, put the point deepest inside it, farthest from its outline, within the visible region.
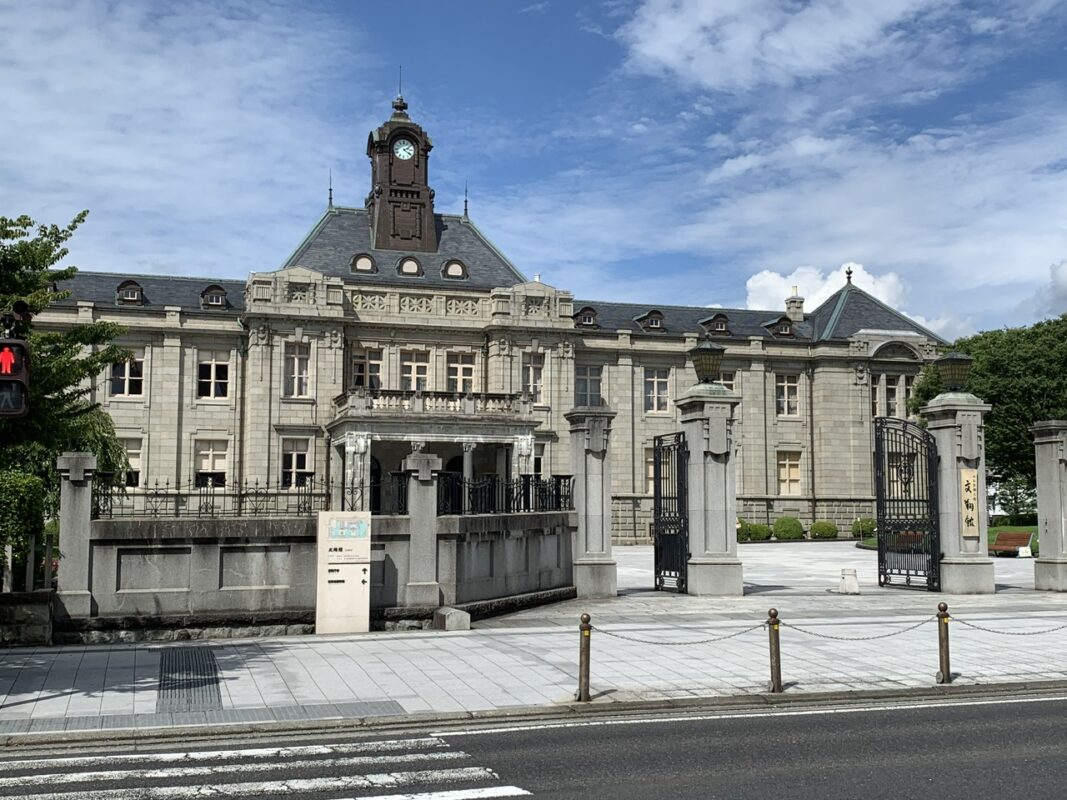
(455, 794)
(292, 786)
(221, 769)
(389, 745)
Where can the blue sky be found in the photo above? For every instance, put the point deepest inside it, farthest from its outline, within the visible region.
(707, 153)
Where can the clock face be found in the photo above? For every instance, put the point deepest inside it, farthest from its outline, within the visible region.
(403, 149)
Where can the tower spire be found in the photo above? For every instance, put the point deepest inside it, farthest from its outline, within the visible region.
(848, 275)
(464, 200)
(331, 188)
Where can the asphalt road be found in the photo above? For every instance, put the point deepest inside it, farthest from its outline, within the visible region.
(986, 749)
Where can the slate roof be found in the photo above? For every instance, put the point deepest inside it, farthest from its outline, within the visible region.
(850, 310)
(741, 322)
(344, 232)
(157, 291)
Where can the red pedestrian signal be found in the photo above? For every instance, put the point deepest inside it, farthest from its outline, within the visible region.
(14, 378)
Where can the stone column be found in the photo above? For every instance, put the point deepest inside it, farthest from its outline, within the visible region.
(468, 475)
(711, 434)
(75, 521)
(1050, 448)
(595, 571)
(955, 420)
(422, 588)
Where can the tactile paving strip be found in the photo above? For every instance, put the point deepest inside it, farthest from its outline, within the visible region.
(188, 680)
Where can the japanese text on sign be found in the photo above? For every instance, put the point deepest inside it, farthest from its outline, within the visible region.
(969, 501)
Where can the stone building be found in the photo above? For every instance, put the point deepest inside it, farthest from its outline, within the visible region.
(392, 328)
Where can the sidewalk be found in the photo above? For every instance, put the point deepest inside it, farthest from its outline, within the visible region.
(530, 658)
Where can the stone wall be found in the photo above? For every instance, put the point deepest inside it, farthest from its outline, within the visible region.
(26, 618)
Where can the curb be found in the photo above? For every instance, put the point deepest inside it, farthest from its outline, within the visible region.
(567, 712)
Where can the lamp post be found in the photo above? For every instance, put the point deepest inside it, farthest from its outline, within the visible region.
(954, 369)
(707, 360)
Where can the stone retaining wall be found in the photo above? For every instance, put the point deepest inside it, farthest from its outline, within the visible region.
(26, 618)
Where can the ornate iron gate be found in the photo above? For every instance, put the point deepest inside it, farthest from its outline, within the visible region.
(670, 510)
(909, 539)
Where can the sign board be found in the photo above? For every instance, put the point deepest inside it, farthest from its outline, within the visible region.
(969, 500)
(342, 596)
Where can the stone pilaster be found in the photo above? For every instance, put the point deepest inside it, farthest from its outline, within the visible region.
(1050, 449)
(955, 421)
(75, 520)
(595, 571)
(422, 588)
(711, 433)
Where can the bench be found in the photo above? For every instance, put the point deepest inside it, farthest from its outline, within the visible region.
(1011, 542)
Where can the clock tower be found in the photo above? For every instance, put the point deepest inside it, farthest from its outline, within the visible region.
(400, 202)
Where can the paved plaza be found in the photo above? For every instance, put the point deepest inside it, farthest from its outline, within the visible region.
(647, 646)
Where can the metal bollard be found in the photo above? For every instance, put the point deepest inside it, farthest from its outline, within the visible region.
(944, 673)
(583, 659)
(776, 651)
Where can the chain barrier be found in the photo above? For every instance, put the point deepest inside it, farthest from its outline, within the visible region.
(816, 634)
(1006, 633)
(679, 644)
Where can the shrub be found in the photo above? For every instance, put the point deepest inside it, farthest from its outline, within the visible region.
(863, 527)
(757, 532)
(21, 509)
(742, 530)
(823, 529)
(788, 528)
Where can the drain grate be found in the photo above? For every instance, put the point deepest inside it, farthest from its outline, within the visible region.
(188, 680)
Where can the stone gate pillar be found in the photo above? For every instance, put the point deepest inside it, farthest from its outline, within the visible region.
(1050, 449)
(75, 520)
(711, 432)
(422, 587)
(955, 421)
(595, 571)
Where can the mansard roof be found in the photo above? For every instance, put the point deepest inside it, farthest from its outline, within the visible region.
(850, 309)
(686, 319)
(342, 233)
(157, 291)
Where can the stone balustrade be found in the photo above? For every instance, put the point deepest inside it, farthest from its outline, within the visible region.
(360, 400)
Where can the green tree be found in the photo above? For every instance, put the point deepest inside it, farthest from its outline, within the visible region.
(1022, 374)
(64, 364)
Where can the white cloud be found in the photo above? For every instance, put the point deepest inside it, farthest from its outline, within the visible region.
(1051, 298)
(768, 289)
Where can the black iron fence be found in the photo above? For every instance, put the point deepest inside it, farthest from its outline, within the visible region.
(208, 499)
(386, 496)
(492, 495)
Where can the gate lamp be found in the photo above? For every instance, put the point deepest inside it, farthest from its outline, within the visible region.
(707, 359)
(954, 369)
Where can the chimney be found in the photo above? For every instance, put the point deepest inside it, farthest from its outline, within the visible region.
(794, 306)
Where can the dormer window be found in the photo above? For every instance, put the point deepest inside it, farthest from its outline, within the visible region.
(717, 324)
(720, 325)
(454, 269)
(784, 329)
(364, 263)
(409, 266)
(586, 317)
(130, 293)
(651, 321)
(214, 297)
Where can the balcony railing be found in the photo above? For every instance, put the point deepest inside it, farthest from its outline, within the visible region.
(491, 495)
(396, 401)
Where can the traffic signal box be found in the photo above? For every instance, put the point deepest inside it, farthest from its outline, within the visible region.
(14, 378)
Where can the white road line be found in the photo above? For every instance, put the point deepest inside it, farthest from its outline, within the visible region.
(453, 794)
(38, 778)
(383, 780)
(390, 745)
(810, 712)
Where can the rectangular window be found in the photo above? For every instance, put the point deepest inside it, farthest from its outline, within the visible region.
(414, 370)
(587, 383)
(891, 382)
(461, 372)
(789, 473)
(367, 369)
(127, 377)
(727, 379)
(787, 393)
(297, 363)
(210, 462)
(533, 367)
(656, 389)
(213, 374)
(909, 390)
(875, 380)
(296, 470)
(133, 456)
(650, 470)
(538, 459)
